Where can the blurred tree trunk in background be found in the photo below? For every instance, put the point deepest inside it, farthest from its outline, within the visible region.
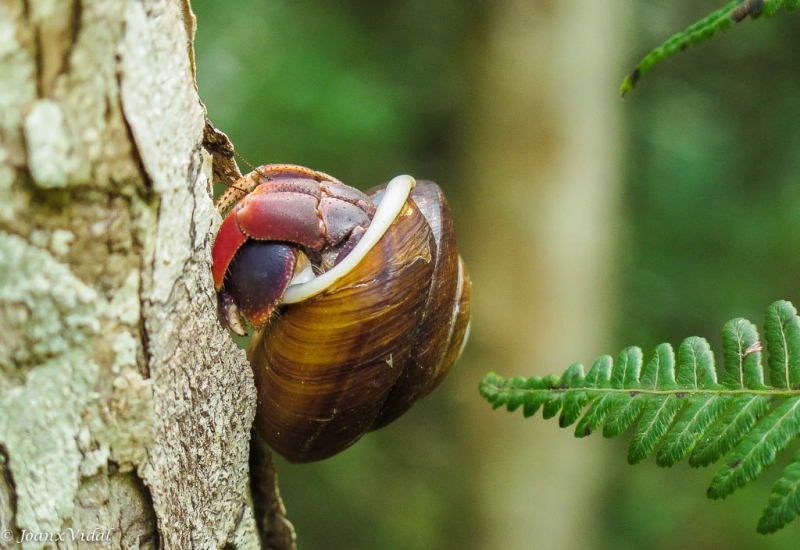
(124, 406)
(543, 160)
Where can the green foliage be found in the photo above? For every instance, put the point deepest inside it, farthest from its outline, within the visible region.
(720, 20)
(683, 410)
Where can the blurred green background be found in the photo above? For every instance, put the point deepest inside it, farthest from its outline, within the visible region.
(587, 223)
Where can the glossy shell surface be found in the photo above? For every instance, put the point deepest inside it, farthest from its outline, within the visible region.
(356, 356)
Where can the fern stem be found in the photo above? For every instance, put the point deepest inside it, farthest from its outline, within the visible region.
(678, 392)
(720, 20)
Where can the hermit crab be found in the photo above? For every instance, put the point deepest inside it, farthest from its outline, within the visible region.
(360, 302)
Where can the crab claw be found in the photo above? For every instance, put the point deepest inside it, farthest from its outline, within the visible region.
(255, 282)
(285, 209)
(229, 239)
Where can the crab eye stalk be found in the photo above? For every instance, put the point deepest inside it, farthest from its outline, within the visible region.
(375, 329)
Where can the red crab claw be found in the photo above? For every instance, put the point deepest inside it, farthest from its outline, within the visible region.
(256, 281)
(255, 253)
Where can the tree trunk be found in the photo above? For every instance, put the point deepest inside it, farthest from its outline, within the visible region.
(544, 153)
(125, 408)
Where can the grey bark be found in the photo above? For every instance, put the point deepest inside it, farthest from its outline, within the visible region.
(125, 408)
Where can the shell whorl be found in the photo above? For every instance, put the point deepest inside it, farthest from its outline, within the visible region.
(359, 353)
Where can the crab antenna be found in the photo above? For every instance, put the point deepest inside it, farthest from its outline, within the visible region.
(244, 160)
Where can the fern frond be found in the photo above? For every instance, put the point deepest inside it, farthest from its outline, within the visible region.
(683, 410)
(784, 502)
(719, 20)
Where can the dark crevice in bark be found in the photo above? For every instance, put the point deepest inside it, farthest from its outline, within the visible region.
(8, 503)
(37, 45)
(144, 335)
(193, 175)
(151, 537)
(231, 542)
(74, 29)
(45, 83)
(148, 194)
(134, 150)
(39, 60)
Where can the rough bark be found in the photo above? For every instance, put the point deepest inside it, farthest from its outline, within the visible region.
(125, 408)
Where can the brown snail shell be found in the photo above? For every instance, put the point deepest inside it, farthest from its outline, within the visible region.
(356, 356)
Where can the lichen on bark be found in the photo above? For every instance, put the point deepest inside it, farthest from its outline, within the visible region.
(124, 404)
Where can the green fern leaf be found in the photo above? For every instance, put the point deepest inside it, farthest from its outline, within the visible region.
(656, 420)
(623, 415)
(695, 372)
(742, 349)
(659, 374)
(784, 502)
(596, 415)
(624, 376)
(719, 20)
(782, 333)
(573, 407)
(660, 411)
(758, 450)
(574, 402)
(552, 406)
(689, 428)
(683, 410)
(696, 365)
(743, 413)
(598, 378)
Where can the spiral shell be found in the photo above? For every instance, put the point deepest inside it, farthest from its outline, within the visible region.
(359, 353)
